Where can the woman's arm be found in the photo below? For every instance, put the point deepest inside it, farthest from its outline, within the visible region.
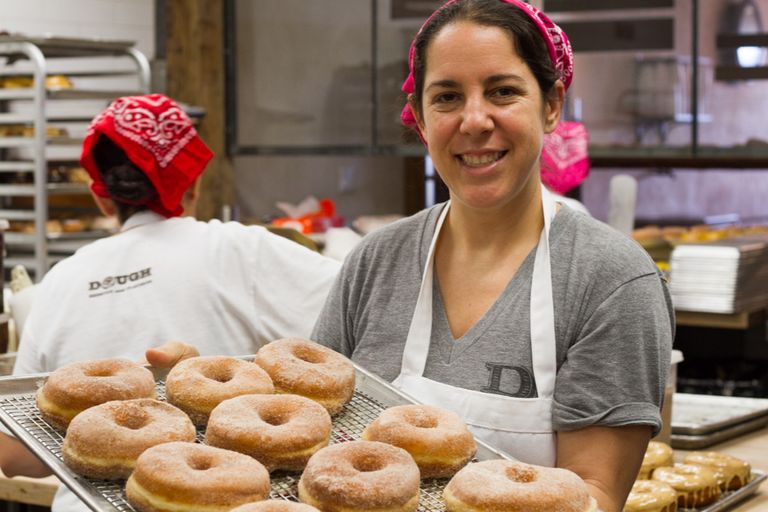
(607, 458)
(16, 460)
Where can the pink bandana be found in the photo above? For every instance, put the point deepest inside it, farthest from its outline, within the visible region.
(559, 48)
(158, 137)
(564, 158)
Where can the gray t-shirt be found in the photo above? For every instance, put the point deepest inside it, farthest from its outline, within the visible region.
(614, 321)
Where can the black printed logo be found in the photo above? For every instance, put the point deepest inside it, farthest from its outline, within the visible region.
(121, 283)
(514, 381)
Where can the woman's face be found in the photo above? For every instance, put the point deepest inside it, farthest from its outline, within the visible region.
(483, 115)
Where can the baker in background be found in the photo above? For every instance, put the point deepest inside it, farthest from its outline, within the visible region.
(546, 330)
(224, 288)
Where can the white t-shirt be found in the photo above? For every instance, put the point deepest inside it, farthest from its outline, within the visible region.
(225, 288)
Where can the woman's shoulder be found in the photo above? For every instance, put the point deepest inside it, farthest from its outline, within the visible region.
(589, 242)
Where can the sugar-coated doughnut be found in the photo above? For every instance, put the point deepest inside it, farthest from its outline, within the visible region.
(437, 439)
(696, 486)
(193, 477)
(199, 384)
(656, 455)
(306, 368)
(651, 496)
(361, 475)
(732, 473)
(280, 431)
(104, 441)
(75, 387)
(499, 484)
(275, 506)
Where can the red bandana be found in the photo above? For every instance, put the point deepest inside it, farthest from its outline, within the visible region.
(158, 137)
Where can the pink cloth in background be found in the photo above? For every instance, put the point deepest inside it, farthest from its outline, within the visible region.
(564, 158)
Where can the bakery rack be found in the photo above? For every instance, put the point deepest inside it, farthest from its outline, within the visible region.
(30, 103)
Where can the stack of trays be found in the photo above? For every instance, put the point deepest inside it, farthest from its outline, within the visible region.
(726, 276)
(699, 421)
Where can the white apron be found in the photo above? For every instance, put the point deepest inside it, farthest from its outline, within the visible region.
(521, 427)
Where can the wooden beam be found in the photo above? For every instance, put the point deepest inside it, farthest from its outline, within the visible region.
(195, 68)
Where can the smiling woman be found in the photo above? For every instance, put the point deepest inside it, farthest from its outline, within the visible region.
(548, 332)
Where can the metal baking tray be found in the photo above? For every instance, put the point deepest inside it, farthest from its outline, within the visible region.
(704, 414)
(698, 441)
(372, 395)
(730, 498)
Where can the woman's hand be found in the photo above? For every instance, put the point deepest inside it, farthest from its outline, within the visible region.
(17, 460)
(168, 354)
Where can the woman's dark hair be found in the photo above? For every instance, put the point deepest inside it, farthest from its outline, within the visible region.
(493, 13)
(126, 184)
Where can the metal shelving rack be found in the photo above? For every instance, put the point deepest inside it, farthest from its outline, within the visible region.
(31, 57)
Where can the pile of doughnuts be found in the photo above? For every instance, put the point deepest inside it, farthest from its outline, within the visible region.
(275, 414)
(116, 428)
(664, 485)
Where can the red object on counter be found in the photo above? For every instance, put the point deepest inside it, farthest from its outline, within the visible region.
(316, 222)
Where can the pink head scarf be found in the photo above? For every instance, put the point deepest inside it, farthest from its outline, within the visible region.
(158, 137)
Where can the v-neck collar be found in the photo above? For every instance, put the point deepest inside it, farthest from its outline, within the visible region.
(450, 347)
(476, 331)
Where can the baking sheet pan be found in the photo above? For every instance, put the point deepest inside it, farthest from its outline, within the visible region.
(698, 441)
(372, 395)
(728, 499)
(697, 415)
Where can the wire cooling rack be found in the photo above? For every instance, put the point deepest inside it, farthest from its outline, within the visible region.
(372, 395)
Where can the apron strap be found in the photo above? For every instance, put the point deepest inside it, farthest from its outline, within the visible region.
(542, 315)
(415, 352)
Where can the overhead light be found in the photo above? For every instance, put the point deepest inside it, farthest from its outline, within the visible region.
(750, 23)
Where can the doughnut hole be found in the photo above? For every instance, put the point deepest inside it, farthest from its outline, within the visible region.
(133, 418)
(99, 370)
(367, 463)
(309, 354)
(521, 475)
(275, 417)
(420, 418)
(220, 373)
(200, 462)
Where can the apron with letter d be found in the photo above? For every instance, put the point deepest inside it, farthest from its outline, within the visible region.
(520, 427)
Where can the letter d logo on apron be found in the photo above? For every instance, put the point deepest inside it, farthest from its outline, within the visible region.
(520, 427)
